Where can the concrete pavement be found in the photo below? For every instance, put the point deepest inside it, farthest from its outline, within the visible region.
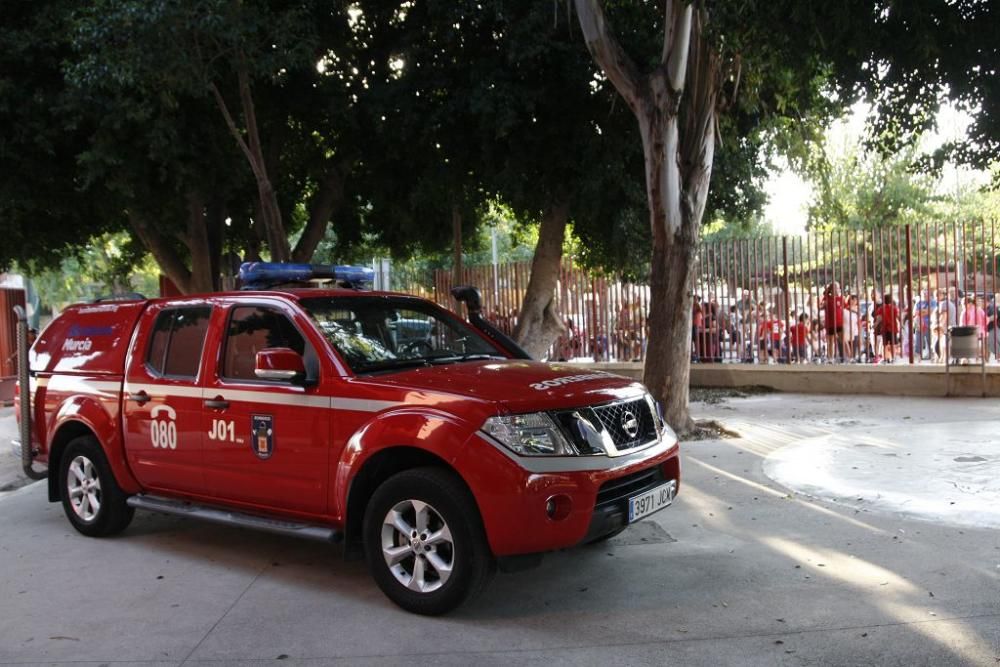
(11, 476)
(741, 571)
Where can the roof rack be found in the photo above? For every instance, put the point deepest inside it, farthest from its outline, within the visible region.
(269, 275)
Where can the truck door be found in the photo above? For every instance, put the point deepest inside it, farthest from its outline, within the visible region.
(162, 399)
(266, 441)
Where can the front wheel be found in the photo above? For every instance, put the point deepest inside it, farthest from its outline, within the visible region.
(424, 541)
(91, 498)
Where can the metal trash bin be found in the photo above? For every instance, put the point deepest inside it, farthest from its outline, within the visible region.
(964, 342)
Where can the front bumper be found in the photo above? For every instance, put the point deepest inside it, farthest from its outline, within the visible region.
(611, 509)
(512, 499)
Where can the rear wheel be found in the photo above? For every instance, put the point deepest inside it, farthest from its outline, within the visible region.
(424, 541)
(91, 498)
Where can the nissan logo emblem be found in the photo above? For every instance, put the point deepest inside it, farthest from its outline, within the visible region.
(630, 424)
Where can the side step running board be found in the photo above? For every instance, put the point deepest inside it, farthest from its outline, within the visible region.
(230, 518)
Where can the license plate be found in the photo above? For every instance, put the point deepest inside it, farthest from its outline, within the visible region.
(651, 501)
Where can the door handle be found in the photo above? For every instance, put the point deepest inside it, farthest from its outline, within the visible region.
(140, 397)
(217, 403)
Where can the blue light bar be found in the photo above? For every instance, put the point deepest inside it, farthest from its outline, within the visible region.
(264, 275)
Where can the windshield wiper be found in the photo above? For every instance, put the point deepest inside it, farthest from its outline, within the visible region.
(450, 359)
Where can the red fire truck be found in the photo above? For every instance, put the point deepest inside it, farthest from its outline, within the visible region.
(429, 443)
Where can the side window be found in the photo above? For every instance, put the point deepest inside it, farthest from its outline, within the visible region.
(176, 343)
(252, 329)
(156, 357)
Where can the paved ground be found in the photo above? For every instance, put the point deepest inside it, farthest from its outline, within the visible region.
(11, 476)
(741, 571)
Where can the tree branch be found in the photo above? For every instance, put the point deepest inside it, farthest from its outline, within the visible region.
(277, 238)
(676, 42)
(701, 102)
(249, 111)
(607, 52)
(235, 131)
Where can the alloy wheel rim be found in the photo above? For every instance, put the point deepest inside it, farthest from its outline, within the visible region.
(417, 546)
(84, 487)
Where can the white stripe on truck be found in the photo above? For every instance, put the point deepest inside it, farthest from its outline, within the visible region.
(161, 391)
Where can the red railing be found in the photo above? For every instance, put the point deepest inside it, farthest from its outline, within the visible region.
(750, 296)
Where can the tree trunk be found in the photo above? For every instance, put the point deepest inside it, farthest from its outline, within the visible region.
(327, 199)
(456, 232)
(215, 223)
(163, 252)
(539, 324)
(667, 369)
(197, 241)
(676, 107)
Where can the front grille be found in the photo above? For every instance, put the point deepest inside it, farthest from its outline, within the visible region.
(616, 417)
(620, 489)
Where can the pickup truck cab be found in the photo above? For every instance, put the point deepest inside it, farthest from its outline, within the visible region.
(376, 418)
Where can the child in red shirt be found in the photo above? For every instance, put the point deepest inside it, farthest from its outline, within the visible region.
(799, 339)
(770, 335)
(833, 305)
(889, 320)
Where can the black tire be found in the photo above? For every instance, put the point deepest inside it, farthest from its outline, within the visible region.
(113, 514)
(472, 563)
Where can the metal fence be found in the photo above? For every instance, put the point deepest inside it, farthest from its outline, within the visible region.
(605, 317)
(851, 296)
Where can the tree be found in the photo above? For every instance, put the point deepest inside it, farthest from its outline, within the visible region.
(109, 264)
(855, 188)
(676, 104)
(255, 63)
(44, 208)
(121, 109)
(786, 60)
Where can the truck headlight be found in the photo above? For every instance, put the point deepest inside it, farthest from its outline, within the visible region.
(534, 434)
(663, 428)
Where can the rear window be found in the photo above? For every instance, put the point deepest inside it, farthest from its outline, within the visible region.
(176, 343)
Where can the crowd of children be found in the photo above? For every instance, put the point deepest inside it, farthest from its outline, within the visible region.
(840, 327)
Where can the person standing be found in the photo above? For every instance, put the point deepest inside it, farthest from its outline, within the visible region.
(925, 306)
(944, 316)
(890, 328)
(833, 311)
(975, 316)
(852, 328)
(697, 329)
(799, 339)
(874, 327)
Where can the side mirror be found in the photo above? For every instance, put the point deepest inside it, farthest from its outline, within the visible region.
(279, 363)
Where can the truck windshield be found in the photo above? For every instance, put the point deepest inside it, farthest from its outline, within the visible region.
(375, 333)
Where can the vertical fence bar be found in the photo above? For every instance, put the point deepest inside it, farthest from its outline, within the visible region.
(866, 301)
(956, 256)
(909, 290)
(750, 312)
(746, 332)
(898, 276)
(815, 315)
(803, 295)
(993, 290)
(788, 309)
